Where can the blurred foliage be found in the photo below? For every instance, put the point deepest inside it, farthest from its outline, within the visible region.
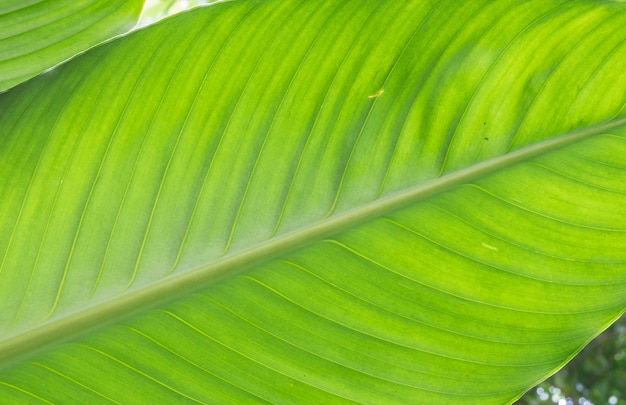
(596, 376)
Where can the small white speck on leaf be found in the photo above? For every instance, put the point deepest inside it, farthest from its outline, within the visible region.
(495, 249)
(377, 94)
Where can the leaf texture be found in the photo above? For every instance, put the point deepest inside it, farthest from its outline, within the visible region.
(330, 201)
(35, 35)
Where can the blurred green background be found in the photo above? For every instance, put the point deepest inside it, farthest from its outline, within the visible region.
(596, 376)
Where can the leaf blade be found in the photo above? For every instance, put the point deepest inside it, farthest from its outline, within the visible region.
(147, 138)
(36, 36)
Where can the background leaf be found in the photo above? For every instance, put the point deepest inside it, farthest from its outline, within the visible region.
(328, 201)
(36, 35)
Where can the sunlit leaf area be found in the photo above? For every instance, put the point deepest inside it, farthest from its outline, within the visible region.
(596, 376)
(155, 10)
(313, 202)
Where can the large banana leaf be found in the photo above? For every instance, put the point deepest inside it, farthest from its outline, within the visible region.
(317, 202)
(37, 34)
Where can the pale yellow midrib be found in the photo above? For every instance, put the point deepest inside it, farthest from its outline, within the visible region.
(168, 289)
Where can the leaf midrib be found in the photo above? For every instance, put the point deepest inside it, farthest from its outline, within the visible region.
(26, 342)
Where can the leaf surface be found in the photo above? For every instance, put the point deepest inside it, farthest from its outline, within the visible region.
(330, 201)
(35, 35)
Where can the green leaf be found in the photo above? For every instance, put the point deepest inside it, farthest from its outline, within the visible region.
(316, 202)
(36, 34)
